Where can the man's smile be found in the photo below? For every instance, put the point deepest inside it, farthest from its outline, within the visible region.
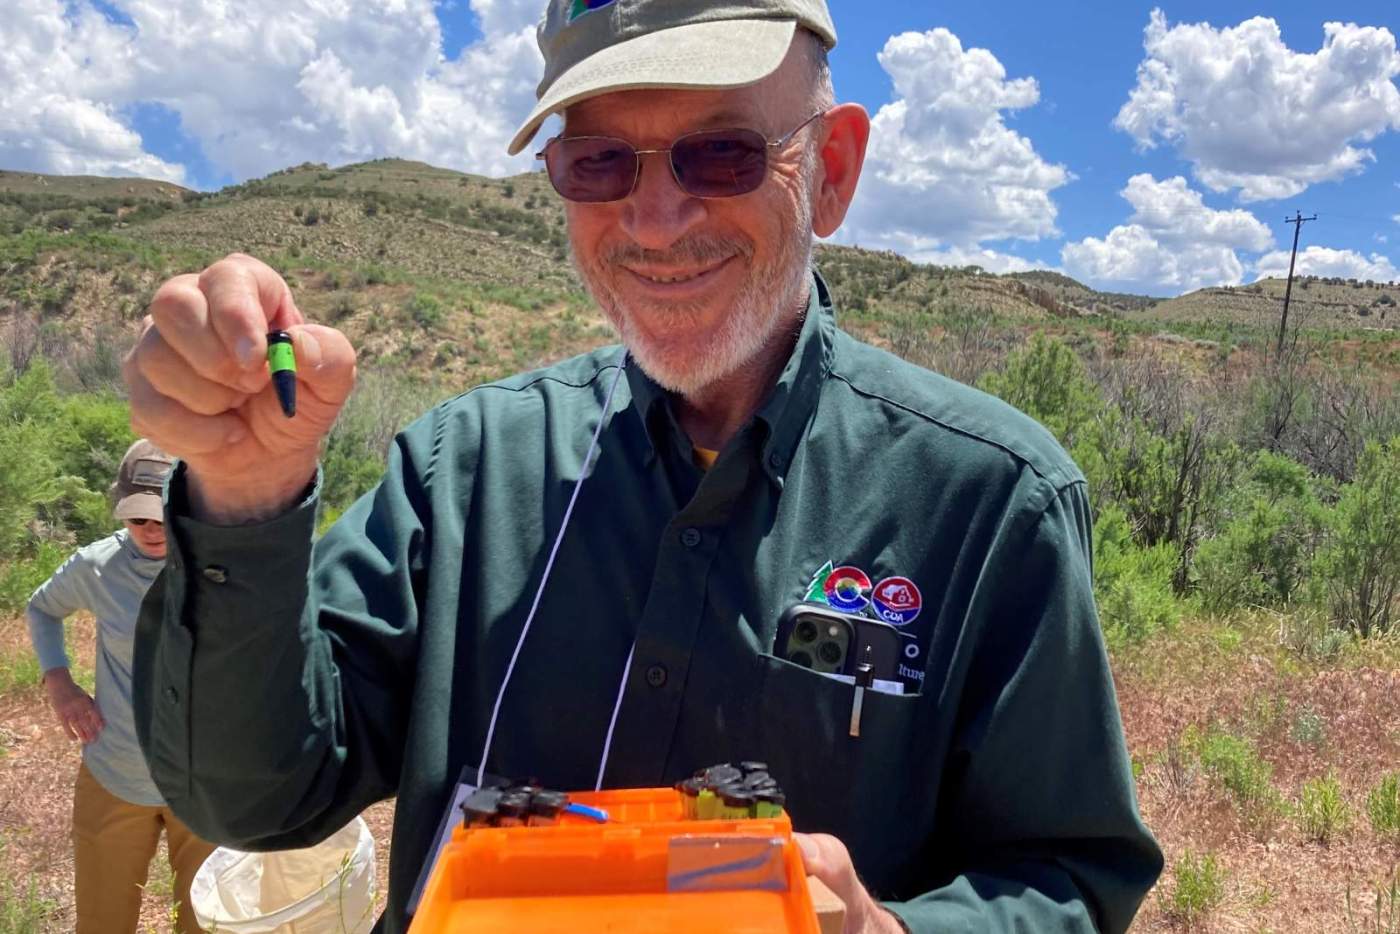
(660, 275)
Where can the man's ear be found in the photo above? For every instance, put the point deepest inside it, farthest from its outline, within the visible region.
(847, 130)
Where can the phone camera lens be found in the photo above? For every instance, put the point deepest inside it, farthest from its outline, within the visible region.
(830, 653)
(806, 631)
(801, 658)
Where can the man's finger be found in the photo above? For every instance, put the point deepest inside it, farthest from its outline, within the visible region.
(180, 319)
(246, 299)
(170, 376)
(827, 858)
(325, 362)
(173, 427)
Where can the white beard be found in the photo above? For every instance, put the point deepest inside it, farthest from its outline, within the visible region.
(763, 306)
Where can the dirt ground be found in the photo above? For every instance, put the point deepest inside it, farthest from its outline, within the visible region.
(1307, 718)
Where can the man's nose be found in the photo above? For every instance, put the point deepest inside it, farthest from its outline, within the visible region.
(659, 212)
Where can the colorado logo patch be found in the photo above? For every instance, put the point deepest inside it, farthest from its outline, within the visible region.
(897, 601)
(848, 589)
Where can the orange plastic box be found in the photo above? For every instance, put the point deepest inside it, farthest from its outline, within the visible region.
(620, 876)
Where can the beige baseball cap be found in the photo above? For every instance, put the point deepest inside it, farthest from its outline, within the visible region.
(139, 481)
(594, 47)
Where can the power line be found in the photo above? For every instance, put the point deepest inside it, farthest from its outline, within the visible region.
(1298, 220)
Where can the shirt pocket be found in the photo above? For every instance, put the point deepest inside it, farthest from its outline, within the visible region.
(835, 782)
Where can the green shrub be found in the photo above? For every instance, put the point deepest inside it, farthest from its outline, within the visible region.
(425, 310)
(1132, 584)
(1235, 763)
(1360, 566)
(19, 578)
(57, 459)
(1383, 806)
(1322, 811)
(1309, 728)
(1272, 529)
(1046, 380)
(1200, 887)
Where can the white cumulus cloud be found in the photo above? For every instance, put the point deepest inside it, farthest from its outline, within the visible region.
(1251, 114)
(1171, 242)
(1324, 261)
(944, 172)
(265, 83)
(57, 69)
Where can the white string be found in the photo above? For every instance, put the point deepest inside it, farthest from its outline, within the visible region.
(607, 743)
(549, 566)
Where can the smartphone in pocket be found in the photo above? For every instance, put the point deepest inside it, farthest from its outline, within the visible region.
(818, 637)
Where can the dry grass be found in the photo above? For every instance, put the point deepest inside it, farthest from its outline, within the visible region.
(1307, 719)
(38, 767)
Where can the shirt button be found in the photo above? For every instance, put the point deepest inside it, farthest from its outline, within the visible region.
(172, 695)
(656, 675)
(690, 538)
(216, 574)
(775, 460)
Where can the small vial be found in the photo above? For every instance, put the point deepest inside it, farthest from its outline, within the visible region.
(736, 803)
(513, 810)
(545, 807)
(689, 791)
(707, 804)
(769, 803)
(479, 809)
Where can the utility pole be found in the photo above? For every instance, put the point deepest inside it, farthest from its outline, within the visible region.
(1298, 220)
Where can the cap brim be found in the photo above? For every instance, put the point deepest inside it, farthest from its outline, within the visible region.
(723, 54)
(140, 506)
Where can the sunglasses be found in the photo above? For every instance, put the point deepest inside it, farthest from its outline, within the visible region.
(140, 522)
(706, 163)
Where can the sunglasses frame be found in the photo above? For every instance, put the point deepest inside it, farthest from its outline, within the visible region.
(141, 522)
(769, 145)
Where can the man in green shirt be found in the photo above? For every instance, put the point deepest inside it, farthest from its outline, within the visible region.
(578, 574)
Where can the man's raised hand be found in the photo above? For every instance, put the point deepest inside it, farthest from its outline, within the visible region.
(200, 388)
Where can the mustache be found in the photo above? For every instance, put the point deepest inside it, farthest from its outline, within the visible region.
(698, 249)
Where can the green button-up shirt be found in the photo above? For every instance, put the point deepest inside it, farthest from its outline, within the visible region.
(295, 684)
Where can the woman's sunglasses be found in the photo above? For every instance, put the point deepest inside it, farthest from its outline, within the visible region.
(139, 522)
(706, 163)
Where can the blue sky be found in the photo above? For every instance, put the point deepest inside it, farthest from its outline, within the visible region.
(1149, 148)
(1085, 62)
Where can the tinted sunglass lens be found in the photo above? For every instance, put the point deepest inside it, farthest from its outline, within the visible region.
(720, 163)
(591, 168)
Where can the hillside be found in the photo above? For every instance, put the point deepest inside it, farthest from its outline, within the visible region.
(460, 278)
(482, 258)
(1315, 303)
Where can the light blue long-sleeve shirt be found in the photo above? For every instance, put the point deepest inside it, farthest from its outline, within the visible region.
(108, 578)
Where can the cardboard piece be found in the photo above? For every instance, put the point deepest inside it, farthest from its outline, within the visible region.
(831, 911)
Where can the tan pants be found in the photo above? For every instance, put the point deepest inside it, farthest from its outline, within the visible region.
(114, 842)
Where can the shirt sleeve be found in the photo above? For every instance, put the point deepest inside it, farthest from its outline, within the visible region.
(57, 598)
(251, 619)
(1042, 826)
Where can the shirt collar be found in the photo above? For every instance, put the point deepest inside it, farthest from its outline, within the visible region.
(789, 404)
